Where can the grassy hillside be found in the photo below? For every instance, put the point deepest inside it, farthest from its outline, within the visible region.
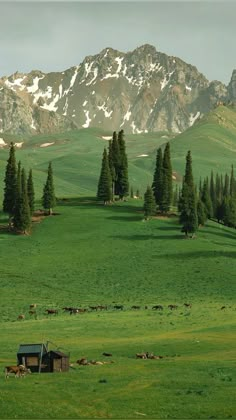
(76, 155)
(94, 255)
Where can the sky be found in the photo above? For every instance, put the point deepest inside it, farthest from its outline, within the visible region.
(55, 35)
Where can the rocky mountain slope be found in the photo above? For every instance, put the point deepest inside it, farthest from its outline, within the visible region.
(140, 91)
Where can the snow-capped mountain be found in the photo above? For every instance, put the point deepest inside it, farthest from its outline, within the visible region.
(139, 91)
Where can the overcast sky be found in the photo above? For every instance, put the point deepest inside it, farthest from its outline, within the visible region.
(53, 36)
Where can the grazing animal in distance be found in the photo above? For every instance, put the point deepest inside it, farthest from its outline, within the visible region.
(141, 355)
(33, 306)
(51, 311)
(222, 307)
(18, 371)
(135, 307)
(171, 307)
(188, 305)
(158, 307)
(83, 361)
(107, 354)
(21, 317)
(121, 307)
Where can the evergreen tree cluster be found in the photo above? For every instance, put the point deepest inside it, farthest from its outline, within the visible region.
(162, 180)
(18, 199)
(217, 198)
(19, 196)
(113, 178)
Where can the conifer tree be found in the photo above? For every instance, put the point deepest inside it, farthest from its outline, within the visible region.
(10, 189)
(206, 199)
(232, 185)
(229, 210)
(218, 191)
(213, 193)
(115, 153)
(19, 180)
(111, 163)
(131, 192)
(30, 191)
(226, 186)
(188, 205)
(122, 178)
(49, 199)
(104, 191)
(157, 184)
(167, 189)
(176, 196)
(201, 213)
(149, 203)
(22, 217)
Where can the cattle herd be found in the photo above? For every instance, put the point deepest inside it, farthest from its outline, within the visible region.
(96, 308)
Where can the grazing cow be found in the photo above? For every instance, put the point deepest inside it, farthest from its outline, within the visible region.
(102, 307)
(135, 307)
(94, 308)
(51, 311)
(107, 354)
(188, 305)
(83, 361)
(32, 312)
(18, 371)
(158, 307)
(33, 306)
(222, 307)
(171, 307)
(21, 317)
(141, 355)
(121, 307)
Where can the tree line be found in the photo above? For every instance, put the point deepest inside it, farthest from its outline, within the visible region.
(19, 195)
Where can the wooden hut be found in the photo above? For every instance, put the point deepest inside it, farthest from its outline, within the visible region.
(56, 361)
(39, 359)
(32, 355)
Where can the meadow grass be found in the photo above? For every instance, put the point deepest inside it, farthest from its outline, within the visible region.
(89, 254)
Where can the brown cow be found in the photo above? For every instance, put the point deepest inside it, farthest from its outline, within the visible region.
(141, 355)
(51, 311)
(18, 371)
(21, 316)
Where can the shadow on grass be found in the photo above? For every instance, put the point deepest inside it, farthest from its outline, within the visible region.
(220, 232)
(197, 254)
(148, 237)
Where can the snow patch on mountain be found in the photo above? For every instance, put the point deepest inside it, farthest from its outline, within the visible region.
(88, 120)
(16, 83)
(35, 86)
(193, 118)
(51, 106)
(104, 109)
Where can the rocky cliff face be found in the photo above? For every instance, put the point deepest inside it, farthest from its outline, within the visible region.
(140, 91)
(232, 87)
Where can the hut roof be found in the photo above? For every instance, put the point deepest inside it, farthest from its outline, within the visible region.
(58, 353)
(32, 348)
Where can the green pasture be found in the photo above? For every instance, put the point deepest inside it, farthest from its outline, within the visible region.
(89, 254)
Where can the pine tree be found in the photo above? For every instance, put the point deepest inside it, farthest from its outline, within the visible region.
(149, 203)
(104, 191)
(206, 199)
(218, 190)
(22, 217)
(188, 206)
(226, 186)
(30, 191)
(232, 184)
(201, 213)
(115, 153)
(49, 199)
(213, 193)
(229, 210)
(131, 192)
(10, 190)
(111, 164)
(122, 178)
(167, 189)
(176, 196)
(157, 184)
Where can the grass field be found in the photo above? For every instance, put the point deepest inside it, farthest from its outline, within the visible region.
(94, 255)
